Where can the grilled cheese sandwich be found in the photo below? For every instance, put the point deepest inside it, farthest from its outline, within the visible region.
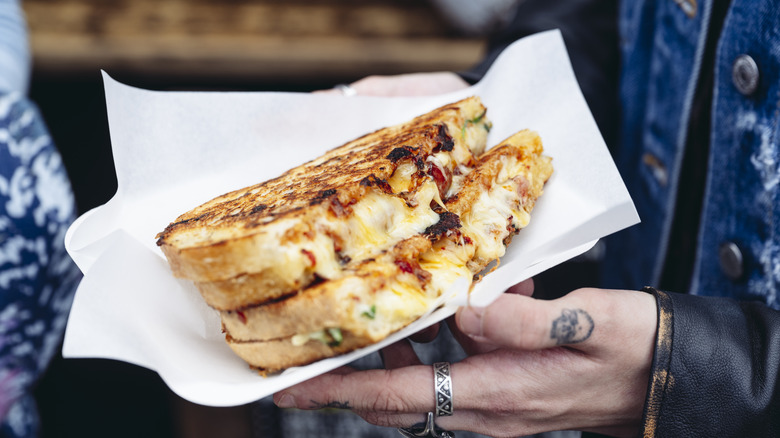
(346, 249)
(375, 299)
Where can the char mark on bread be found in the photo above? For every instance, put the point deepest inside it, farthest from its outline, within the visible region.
(447, 221)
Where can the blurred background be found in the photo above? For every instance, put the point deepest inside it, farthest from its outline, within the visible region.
(252, 45)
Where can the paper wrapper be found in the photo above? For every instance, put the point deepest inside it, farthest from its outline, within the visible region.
(175, 150)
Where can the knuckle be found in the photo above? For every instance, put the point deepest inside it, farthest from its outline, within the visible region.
(388, 399)
(524, 327)
(534, 332)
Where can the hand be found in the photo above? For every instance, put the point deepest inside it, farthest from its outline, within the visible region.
(581, 362)
(414, 84)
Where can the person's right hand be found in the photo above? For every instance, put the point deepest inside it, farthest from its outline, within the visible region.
(581, 362)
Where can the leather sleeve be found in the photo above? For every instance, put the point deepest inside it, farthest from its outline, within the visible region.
(715, 369)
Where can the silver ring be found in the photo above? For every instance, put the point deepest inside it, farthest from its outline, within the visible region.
(346, 90)
(428, 430)
(443, 387)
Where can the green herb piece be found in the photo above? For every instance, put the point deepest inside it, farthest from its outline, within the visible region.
(370, 313)
(477, 119)
(474, 121)
(335, 334)
(320, 336)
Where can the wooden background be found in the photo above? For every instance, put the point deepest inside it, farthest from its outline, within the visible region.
(265, 40)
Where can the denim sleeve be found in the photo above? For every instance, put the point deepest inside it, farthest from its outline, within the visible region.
(14, 49)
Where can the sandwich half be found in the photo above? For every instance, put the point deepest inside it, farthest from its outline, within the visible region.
(377, 297)
(263, 242)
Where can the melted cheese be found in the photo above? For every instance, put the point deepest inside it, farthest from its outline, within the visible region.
(391, 307)
(457, 180)
(487, 221)
(447, 262)
(380, 221)
(319, 335)
(402, 177)
(469, 139)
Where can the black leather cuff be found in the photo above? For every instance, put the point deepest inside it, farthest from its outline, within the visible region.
(662, 356)
(715, 369)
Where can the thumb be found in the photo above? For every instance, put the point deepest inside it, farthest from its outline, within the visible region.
(521, 322)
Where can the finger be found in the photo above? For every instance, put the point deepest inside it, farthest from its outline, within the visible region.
(470, 345)
(399, 354)
(411, 84)
(343, 370)
(525, 287)
(521, 322)
(427, 334)
(479, 346)
(397, 391)
(393, 398)
(327, 91)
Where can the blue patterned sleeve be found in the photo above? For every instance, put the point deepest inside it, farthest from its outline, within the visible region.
(14, 49)
(37, 277)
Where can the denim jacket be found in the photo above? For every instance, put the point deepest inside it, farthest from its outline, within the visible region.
(662, 46)
(716, 365)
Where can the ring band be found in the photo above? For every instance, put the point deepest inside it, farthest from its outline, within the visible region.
(346, 90)
(428, 430)
(443, 387)
(442, 382)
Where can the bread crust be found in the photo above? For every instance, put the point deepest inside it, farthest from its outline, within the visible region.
(279, 354)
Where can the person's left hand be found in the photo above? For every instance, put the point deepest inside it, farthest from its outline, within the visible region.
(581, 362)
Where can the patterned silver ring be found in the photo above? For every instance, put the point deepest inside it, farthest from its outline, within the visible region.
(346, 90)
(443, 387)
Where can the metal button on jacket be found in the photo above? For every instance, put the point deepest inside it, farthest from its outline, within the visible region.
(745, 75)
(731, 260)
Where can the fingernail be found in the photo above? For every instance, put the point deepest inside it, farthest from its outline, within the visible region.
(470, 321)
(285, 401)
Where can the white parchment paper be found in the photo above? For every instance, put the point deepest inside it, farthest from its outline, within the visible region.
(175, 150)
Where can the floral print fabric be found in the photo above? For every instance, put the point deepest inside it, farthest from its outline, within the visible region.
(37, 277)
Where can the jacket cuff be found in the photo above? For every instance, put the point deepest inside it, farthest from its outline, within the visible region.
(715, 370)
(659, 371)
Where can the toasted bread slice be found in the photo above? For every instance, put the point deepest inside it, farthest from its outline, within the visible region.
(380, 297)
(279, 354)
(354, 201)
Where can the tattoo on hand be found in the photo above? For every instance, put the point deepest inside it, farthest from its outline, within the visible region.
(333, 404)
(573, 326)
